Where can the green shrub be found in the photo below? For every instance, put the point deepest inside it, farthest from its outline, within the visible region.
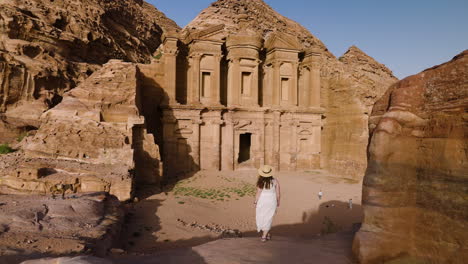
(5, 149)
(21, 136)
(158, 55)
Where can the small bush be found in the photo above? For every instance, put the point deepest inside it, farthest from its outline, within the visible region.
(5, 149)
(158, 55)
(21, 136)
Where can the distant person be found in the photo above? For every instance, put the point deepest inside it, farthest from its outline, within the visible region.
(350, 204)
(320, 194)
(266, 200)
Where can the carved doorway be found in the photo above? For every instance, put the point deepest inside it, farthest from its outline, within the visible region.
(245, 141)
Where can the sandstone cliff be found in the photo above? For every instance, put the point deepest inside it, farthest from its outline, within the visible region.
(49, 47)
(350, 85)
(349, 97)
(415, 188)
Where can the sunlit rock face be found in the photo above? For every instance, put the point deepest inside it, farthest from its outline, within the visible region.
(49, 47)
(99, 124)
(416, 182)
(349, 97)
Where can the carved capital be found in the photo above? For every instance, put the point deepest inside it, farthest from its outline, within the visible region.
(173, 52)
(233, 60)
(276, 63)
(195, 55)
(217, 122)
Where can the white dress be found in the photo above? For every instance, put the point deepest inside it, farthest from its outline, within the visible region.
(266, 208)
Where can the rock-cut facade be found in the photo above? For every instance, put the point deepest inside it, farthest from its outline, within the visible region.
(234, 101)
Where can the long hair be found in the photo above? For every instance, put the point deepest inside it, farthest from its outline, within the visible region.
(265, 182)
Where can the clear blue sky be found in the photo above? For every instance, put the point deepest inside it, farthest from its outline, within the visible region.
(406, 35)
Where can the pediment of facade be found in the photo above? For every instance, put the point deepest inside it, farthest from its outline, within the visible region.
(213, 32)
(282, 41)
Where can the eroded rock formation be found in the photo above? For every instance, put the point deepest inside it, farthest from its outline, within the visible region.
(49, 47)
(99, 124)
(415, 186)
(349, 98)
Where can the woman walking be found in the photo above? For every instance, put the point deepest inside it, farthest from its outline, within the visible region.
(266, 200)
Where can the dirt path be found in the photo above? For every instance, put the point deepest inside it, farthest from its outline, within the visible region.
(199, 209)
(210, 218)
(331, 249)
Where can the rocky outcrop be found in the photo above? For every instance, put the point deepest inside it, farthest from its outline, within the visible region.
(350, 85)
(262, 19)
(99, 123)
(39, 225)
(415, 186)
(49, 47)
(350, 96)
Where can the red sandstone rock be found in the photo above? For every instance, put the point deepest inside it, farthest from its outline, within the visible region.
(414, 193)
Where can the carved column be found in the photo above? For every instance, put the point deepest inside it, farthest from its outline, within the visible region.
(293, 142)
(170, 69)
(233, 82)
(276, 139)
(314, 100)
(267, 86)
(303, 100)
(294, 86)
(228, 144)
(276, 84)
(255, 83)
(312, 61)
(217, 142)
(170, 143)
(194, 80)
(196, 144)
(216, 85)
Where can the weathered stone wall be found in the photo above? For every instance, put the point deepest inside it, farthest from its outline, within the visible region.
(416, 184)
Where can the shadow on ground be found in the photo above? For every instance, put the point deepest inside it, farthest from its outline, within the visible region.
(323, 236)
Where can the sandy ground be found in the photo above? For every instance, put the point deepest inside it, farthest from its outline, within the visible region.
(198, 209)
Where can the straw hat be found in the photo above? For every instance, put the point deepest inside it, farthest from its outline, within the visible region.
(265, 171)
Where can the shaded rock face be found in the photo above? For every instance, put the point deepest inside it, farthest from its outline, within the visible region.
(32, 225)
(99, 123)
(49, 47)
(350, 85)
(415, 186)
